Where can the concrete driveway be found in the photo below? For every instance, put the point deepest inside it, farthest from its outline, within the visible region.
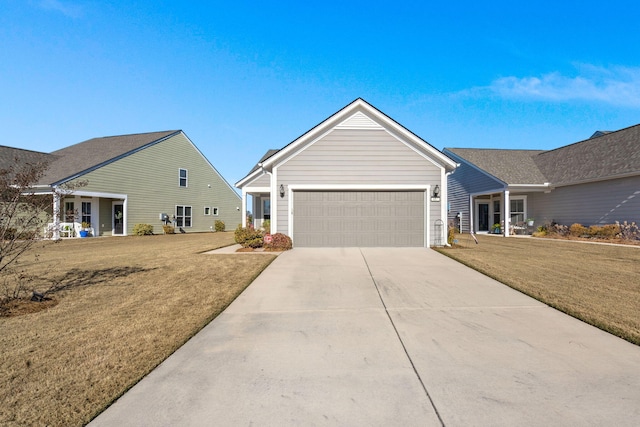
(387, 337)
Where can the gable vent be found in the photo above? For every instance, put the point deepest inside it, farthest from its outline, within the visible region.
(359, 121)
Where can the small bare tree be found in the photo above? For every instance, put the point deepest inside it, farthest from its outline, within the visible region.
(23, 214)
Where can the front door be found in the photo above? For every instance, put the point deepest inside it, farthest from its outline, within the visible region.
(118, 219)
(483, 217)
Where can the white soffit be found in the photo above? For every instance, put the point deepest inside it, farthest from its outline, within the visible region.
(359, 121)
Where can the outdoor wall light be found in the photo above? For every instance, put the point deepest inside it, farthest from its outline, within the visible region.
(436, 191)
(281, 190)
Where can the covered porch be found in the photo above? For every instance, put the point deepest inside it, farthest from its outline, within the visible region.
(507, 212)
(257, 200)
(87, 214)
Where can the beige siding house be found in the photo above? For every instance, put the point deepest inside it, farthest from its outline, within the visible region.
(135, 179)
(357, 179)
(591, 182)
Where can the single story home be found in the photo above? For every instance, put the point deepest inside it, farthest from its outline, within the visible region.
(358, 178)
(591, 182)
(134, 179)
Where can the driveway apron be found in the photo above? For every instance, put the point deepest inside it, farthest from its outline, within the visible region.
(380, 337)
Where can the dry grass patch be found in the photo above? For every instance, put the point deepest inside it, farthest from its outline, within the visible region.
(128, 303)
(599, 284)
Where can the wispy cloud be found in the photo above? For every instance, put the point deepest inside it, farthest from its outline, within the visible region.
(618, 86)
(66, 8)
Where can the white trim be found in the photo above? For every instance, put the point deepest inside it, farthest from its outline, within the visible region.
(186, 178)
(95, 194)
(249, 190)
(333, 121)
(364, 187)
(215, 211)
(426, 189)
(476, 215)
(273, 192)
(256, 174)
(124, 218)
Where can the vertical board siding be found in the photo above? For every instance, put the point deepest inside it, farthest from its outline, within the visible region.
(596, 203)
(150, 179)
(466, 180)
(356, 157)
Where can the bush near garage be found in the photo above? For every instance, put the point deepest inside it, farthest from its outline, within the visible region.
(279, 242)
(248, 237)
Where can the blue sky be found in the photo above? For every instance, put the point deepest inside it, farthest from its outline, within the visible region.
(242, 77)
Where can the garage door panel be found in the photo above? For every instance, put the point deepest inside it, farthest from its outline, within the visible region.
(358, 218)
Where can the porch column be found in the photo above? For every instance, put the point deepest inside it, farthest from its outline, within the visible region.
(56, 214)
(507, 214)
(244, 208)
(471, 215)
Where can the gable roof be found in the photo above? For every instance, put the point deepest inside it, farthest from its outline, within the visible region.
(9, 156)
(77, 159)
(509, 166)
(359, 114)
(611, 155)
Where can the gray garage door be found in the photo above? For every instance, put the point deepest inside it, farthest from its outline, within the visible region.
(358, 218)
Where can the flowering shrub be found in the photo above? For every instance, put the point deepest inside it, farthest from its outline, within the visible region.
(279, 242)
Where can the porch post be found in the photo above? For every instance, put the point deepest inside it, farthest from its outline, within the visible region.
(244, 208)
(56, 214)
(471, 215)
(507, 214)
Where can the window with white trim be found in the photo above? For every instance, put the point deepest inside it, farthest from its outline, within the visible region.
(517, 209)
(207, 210)
(215, 211)
(183, 177)
(183, 216)
(86, 212)
(69, 212)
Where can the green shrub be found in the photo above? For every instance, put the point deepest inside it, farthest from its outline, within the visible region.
(219, 225)
(266, 224)
(168, 229)
(577, 230)
(248, 237)
(279, 242)
(143, 229)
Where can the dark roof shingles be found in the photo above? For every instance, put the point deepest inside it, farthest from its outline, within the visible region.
(509, 166)
(86, 155)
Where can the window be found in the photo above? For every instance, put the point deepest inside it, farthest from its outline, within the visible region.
(183, 216)
(496, 211)
(266, 209)
(517, 207)
(69, 212)
(207, 210)
(183, 177)
(86, 212)
(215, 211)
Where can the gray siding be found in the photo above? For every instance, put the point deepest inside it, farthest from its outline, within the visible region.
(359, 218)
(263, 181)
(464, 181)
(150, 179)
(356, 157)
(602, 202)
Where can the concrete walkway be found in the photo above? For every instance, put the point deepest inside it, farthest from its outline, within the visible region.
(387, 337)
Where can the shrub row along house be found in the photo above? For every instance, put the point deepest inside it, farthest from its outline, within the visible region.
(592, 182)
(133, 179)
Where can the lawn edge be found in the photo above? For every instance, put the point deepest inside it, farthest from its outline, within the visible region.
(197, 330)
(590, 321)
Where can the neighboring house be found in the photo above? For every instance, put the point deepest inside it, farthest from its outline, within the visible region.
(592, 182)
(132, 179)
(357, 179)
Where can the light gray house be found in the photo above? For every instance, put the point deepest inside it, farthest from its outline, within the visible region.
(592, 182)
(357, 179)
(132, 179)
